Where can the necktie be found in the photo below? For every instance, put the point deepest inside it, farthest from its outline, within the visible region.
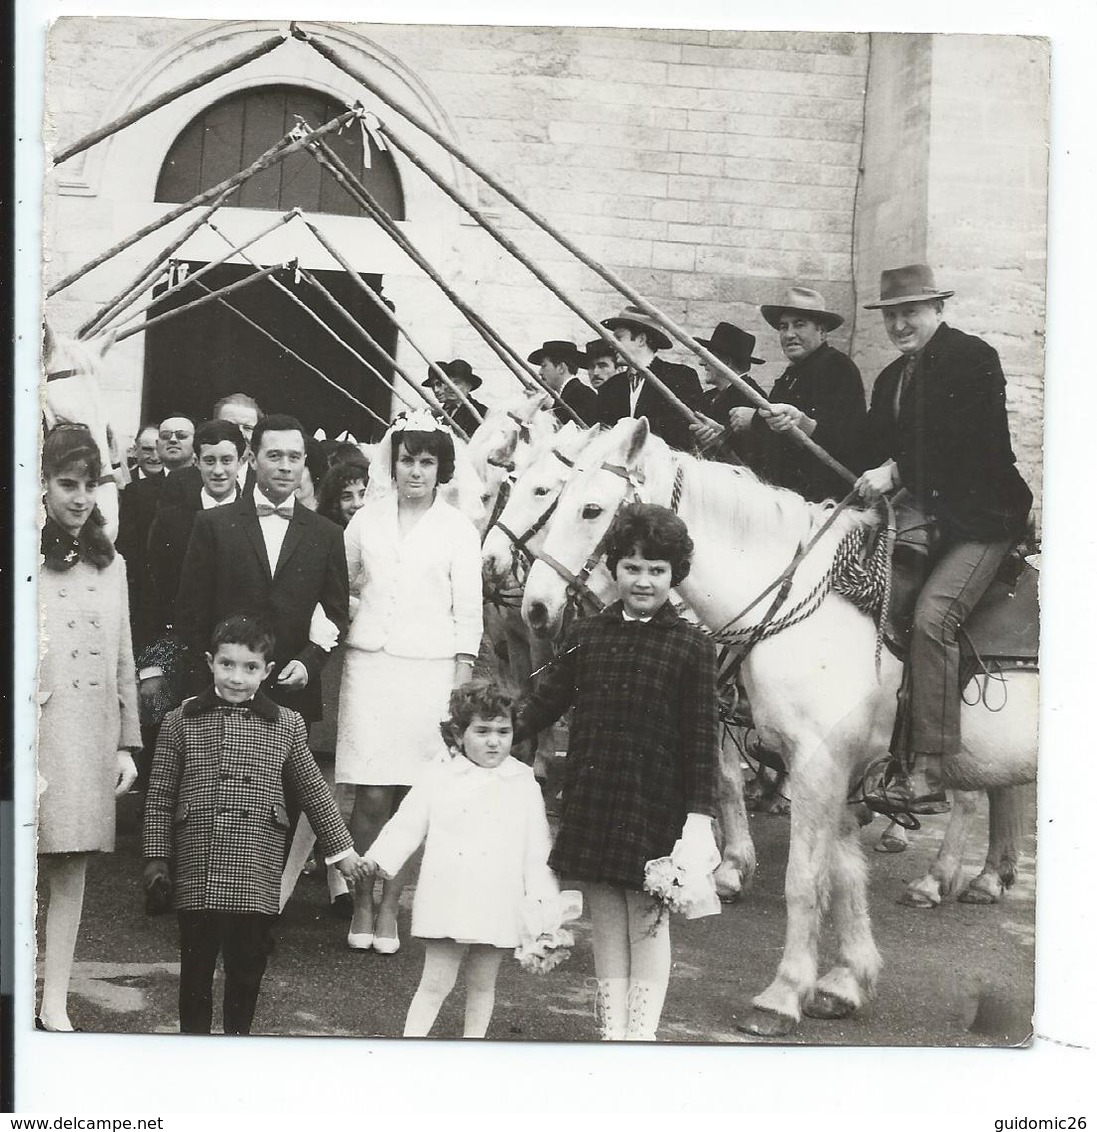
(905, 376)
(284, 510)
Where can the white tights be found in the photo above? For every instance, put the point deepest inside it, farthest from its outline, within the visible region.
(627, 944)
(440, 967)
(65, 875)
(631, 956)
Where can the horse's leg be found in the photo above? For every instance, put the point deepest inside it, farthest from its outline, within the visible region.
(945, 870)
(844, 988)
(1007, 808)
(538, 652)
(737, 867)
(818, 796)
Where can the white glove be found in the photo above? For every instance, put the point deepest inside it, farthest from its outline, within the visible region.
(696, 851)
(322, 630)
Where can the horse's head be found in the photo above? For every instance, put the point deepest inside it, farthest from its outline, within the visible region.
(621, 466)
(532, 494)
(71, 393)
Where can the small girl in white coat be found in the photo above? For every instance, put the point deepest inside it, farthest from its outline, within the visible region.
(482, 818)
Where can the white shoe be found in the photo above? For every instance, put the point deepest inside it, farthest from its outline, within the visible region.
(386, 945)
(360, 941)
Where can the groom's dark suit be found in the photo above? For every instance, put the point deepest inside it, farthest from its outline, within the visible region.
(226, 571)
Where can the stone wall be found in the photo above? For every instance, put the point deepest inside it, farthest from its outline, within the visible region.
(956, 176)
(710, 169)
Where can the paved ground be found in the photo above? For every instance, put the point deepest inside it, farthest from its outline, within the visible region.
(940, 967)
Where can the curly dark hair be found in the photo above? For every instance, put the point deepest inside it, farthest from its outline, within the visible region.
(339, 477)
(481, 697)
(439, 444)
(652, 532)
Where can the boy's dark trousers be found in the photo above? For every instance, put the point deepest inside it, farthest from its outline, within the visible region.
(244, 941)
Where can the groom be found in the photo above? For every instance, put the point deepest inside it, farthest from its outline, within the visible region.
(267, 553)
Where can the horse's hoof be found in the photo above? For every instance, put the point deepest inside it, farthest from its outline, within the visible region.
(823, 1004)
(779, 808)
(915, 898)
(978, 895)
(863, 815)
(729, 884)
(767, 1024)
(889, 843)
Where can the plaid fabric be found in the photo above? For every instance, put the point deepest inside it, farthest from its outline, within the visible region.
(643, 740)
(216, 803)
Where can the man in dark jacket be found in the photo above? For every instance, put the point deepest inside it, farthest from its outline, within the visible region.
(460, 374)
(820, 393)
(938, 428)
(268, 554)
(630, 394)
(558, 364)
(725, 435)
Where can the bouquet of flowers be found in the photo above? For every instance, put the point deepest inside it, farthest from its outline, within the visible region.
(544, 943)
(683, 882)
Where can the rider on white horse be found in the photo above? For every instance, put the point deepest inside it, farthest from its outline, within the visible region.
(937, 427)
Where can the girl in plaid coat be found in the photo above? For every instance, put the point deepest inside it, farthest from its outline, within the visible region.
(641, 768)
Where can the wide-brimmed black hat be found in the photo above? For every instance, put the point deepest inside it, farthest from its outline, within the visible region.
(635, 319)
(564, 351)
(732, 345)
(599, 348)
(457, 370)
(802, 300)
(911, 284)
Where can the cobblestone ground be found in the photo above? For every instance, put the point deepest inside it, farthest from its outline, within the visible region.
(941, 967)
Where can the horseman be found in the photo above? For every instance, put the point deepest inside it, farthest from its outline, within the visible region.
(728, 412)
(629, 394)
(460, 374)
(937, 427)
(820, 393)
(558, 364)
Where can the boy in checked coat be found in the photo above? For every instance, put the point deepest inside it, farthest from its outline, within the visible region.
(216, 818)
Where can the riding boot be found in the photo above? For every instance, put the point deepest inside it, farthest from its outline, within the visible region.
(645, 1006)
(611, 1009)
(921, 791)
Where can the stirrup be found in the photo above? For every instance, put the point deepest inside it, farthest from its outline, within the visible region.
(883, 770)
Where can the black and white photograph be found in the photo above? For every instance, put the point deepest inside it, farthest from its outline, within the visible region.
(539, 539)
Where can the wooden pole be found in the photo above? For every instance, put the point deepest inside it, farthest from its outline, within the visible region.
(434, 369)
(246, 282)
(205, 269)
(200, 80)
(292, 143)
(360, 193)
(609, 276)
(296, 357)
(315, 318)
(537, 273)
(431, 401)
(113, 307)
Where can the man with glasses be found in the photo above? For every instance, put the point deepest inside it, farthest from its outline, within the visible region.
(137, 506)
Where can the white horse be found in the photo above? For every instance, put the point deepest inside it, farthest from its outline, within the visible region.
(529, 507)
(814, 689)
(71, 393)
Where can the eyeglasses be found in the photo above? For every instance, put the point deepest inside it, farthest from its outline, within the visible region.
(177, 434)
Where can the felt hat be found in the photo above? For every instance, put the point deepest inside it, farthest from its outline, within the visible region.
(566, 351)
(732, 345)
(598, 348)
(911, 284)
(635, 319)
(457, 370)
(802, 300)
